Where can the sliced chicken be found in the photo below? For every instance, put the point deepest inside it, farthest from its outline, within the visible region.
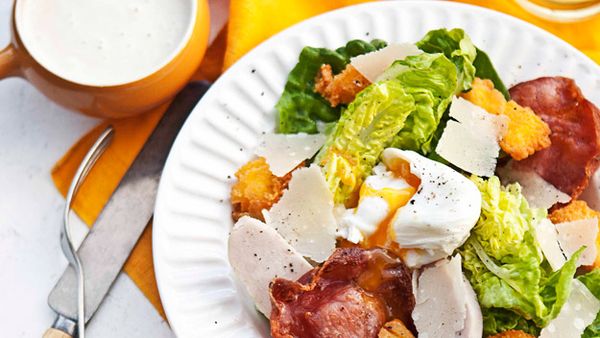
(258, 254)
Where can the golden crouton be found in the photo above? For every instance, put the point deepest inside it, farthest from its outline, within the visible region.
(573, 211)
(577, 210)
(341, 88)
(395, 329)
(483, 94)
(526, 133)
(256, 189)
(513, 334)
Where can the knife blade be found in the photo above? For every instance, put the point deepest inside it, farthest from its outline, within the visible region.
(120, 224)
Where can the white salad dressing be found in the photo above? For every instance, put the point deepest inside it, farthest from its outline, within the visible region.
(104, 42)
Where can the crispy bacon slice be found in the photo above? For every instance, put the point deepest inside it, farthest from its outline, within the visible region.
(575, 124)
(353, 294)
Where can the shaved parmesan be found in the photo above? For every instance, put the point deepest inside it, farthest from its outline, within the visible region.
(591, 194)
(578, 312)
(538, 192)
(547, 237)
(283, 152)
(441, 311)
(573, 235)
(471, 142)
(304, 214)
(373, 64)
(257, 254)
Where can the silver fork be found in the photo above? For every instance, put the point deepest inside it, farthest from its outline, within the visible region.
(66, 241)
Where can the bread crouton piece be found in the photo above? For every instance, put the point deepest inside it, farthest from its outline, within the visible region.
(513, 334)
(256, 189)
(527, 132)
(577, 210)
(574, 211)
(483, 94)
(340, 88)
(395, 329)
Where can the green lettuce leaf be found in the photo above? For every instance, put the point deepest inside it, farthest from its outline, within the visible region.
(502, 259)
(457, 46)
(431, 79)
(484, 69)
(433, 85)
(365, 129)
(592, 281)
(496, 320)
(299, 106)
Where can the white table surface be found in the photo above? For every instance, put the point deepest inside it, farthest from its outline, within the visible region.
(34, 134)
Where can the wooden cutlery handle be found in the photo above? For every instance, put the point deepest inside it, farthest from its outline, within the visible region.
(54, 333)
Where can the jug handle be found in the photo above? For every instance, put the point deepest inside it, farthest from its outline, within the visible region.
(9, 65)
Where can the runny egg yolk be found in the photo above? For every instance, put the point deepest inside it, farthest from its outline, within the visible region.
(395, 198)
(401, 168)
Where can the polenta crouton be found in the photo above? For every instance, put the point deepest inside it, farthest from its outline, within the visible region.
(513, 334)
(395, 329)
(340, 88)
(526, 133)
(483, 94)
(577, 210)
(256, 189)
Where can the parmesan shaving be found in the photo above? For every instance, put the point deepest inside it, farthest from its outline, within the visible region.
(284, 152)
(538, 192)
(578, 312)
(471, 142)
(257, 254)
(373, 64)
(547, 237)
(304, 215)
(573, 235)
(441, 311)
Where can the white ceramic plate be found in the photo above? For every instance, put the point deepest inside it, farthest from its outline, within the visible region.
(192, 217)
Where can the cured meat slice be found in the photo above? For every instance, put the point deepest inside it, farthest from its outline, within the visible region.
(575, 132)
(353, 294)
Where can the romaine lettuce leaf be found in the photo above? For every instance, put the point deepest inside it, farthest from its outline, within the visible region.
(592, 281)
(484, 69)
(447, 42)
(457, 46)
(364, 130)
(434, 85)
(503, 261)
(431, 79)
(299, 106)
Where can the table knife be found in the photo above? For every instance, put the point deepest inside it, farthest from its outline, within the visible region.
(120, 224)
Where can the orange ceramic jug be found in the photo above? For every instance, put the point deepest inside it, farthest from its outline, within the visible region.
(111, 101)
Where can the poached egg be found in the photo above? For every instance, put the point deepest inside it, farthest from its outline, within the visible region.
(425, 207)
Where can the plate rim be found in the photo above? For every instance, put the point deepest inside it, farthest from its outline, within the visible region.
(268, 44)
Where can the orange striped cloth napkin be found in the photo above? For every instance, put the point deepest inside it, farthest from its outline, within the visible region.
(250, 22)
